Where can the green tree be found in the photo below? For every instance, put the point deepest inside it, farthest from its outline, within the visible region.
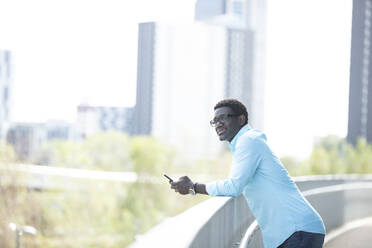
(64, 153)
(359, 158)
(104, 151)
(147, 198)
(149, 156)
(17, 204)
(109, 151)
(333, 155)
(292, 165)
(7, 154)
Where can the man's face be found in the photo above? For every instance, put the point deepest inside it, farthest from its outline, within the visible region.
(227, 123)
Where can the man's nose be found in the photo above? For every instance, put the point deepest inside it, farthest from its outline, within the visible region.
(219, 124)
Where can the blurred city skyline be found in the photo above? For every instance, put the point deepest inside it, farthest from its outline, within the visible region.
(73, 52)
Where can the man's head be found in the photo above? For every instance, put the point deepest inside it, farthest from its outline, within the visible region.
(229, 117)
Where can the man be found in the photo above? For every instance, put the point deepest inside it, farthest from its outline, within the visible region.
(285, 217)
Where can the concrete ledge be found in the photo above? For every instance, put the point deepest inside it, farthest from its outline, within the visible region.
(353, 234)
(346, 228)
(179, 231)
(228, 222)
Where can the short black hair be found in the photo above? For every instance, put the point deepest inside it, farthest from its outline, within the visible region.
(236, 106)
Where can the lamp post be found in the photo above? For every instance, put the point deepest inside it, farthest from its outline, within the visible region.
(19, 230)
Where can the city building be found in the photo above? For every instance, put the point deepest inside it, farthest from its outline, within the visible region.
(5, 86)
(60, 130)
(26, 139)
(360, 91)
(245, 22)
(94, 119)
(185, 78)
(142, 116)
(205, 9)
(184, 69)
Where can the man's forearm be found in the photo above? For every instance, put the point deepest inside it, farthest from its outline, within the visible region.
(200, 188)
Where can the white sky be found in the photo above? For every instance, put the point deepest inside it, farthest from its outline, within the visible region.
(308, 59)
(84, 51)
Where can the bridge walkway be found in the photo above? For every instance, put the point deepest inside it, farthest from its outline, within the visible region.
(354, 235)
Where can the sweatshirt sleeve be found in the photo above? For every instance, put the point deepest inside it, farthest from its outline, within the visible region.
(246, 159)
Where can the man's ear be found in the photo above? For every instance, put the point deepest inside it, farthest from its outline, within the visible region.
(241, 120)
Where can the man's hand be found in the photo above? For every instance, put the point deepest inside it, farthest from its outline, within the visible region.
(182, 185)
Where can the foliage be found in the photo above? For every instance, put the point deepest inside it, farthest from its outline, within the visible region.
(103, 151)
(149, 156)
(17, 205)
(110, 214)
(98, 213)
(333, 155)
(7, 154)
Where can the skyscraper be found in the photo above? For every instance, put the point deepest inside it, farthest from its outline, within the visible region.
(360, 92)
(184, 69)
(185, 78)
(142, 118)
(5, 84)
(245, 21)
(205, 9)
(94, 119)
(27, 139)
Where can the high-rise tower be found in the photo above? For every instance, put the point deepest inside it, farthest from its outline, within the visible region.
(184, 69)
(5, 84)
(179, 83)
(142, 118)
(245, 22)
(360, 92)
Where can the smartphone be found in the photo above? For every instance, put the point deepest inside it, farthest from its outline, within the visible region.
(170, 179)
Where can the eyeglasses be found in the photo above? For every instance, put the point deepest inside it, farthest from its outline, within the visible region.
(221, 119)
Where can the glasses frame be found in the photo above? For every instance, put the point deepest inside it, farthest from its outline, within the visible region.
(214, 123)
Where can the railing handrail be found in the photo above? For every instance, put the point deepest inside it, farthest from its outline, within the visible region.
(157, 236)
(325, 177)
(128, 177)
(328, 182)
(338, 188)
(317, 192)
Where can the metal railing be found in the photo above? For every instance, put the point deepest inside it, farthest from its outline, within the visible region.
(224, 221)
(228, 222)
(48, 177)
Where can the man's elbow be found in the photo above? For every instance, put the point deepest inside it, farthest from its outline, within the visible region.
(238, 186)
(233, 188)
(236, 194)
(237, 191)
